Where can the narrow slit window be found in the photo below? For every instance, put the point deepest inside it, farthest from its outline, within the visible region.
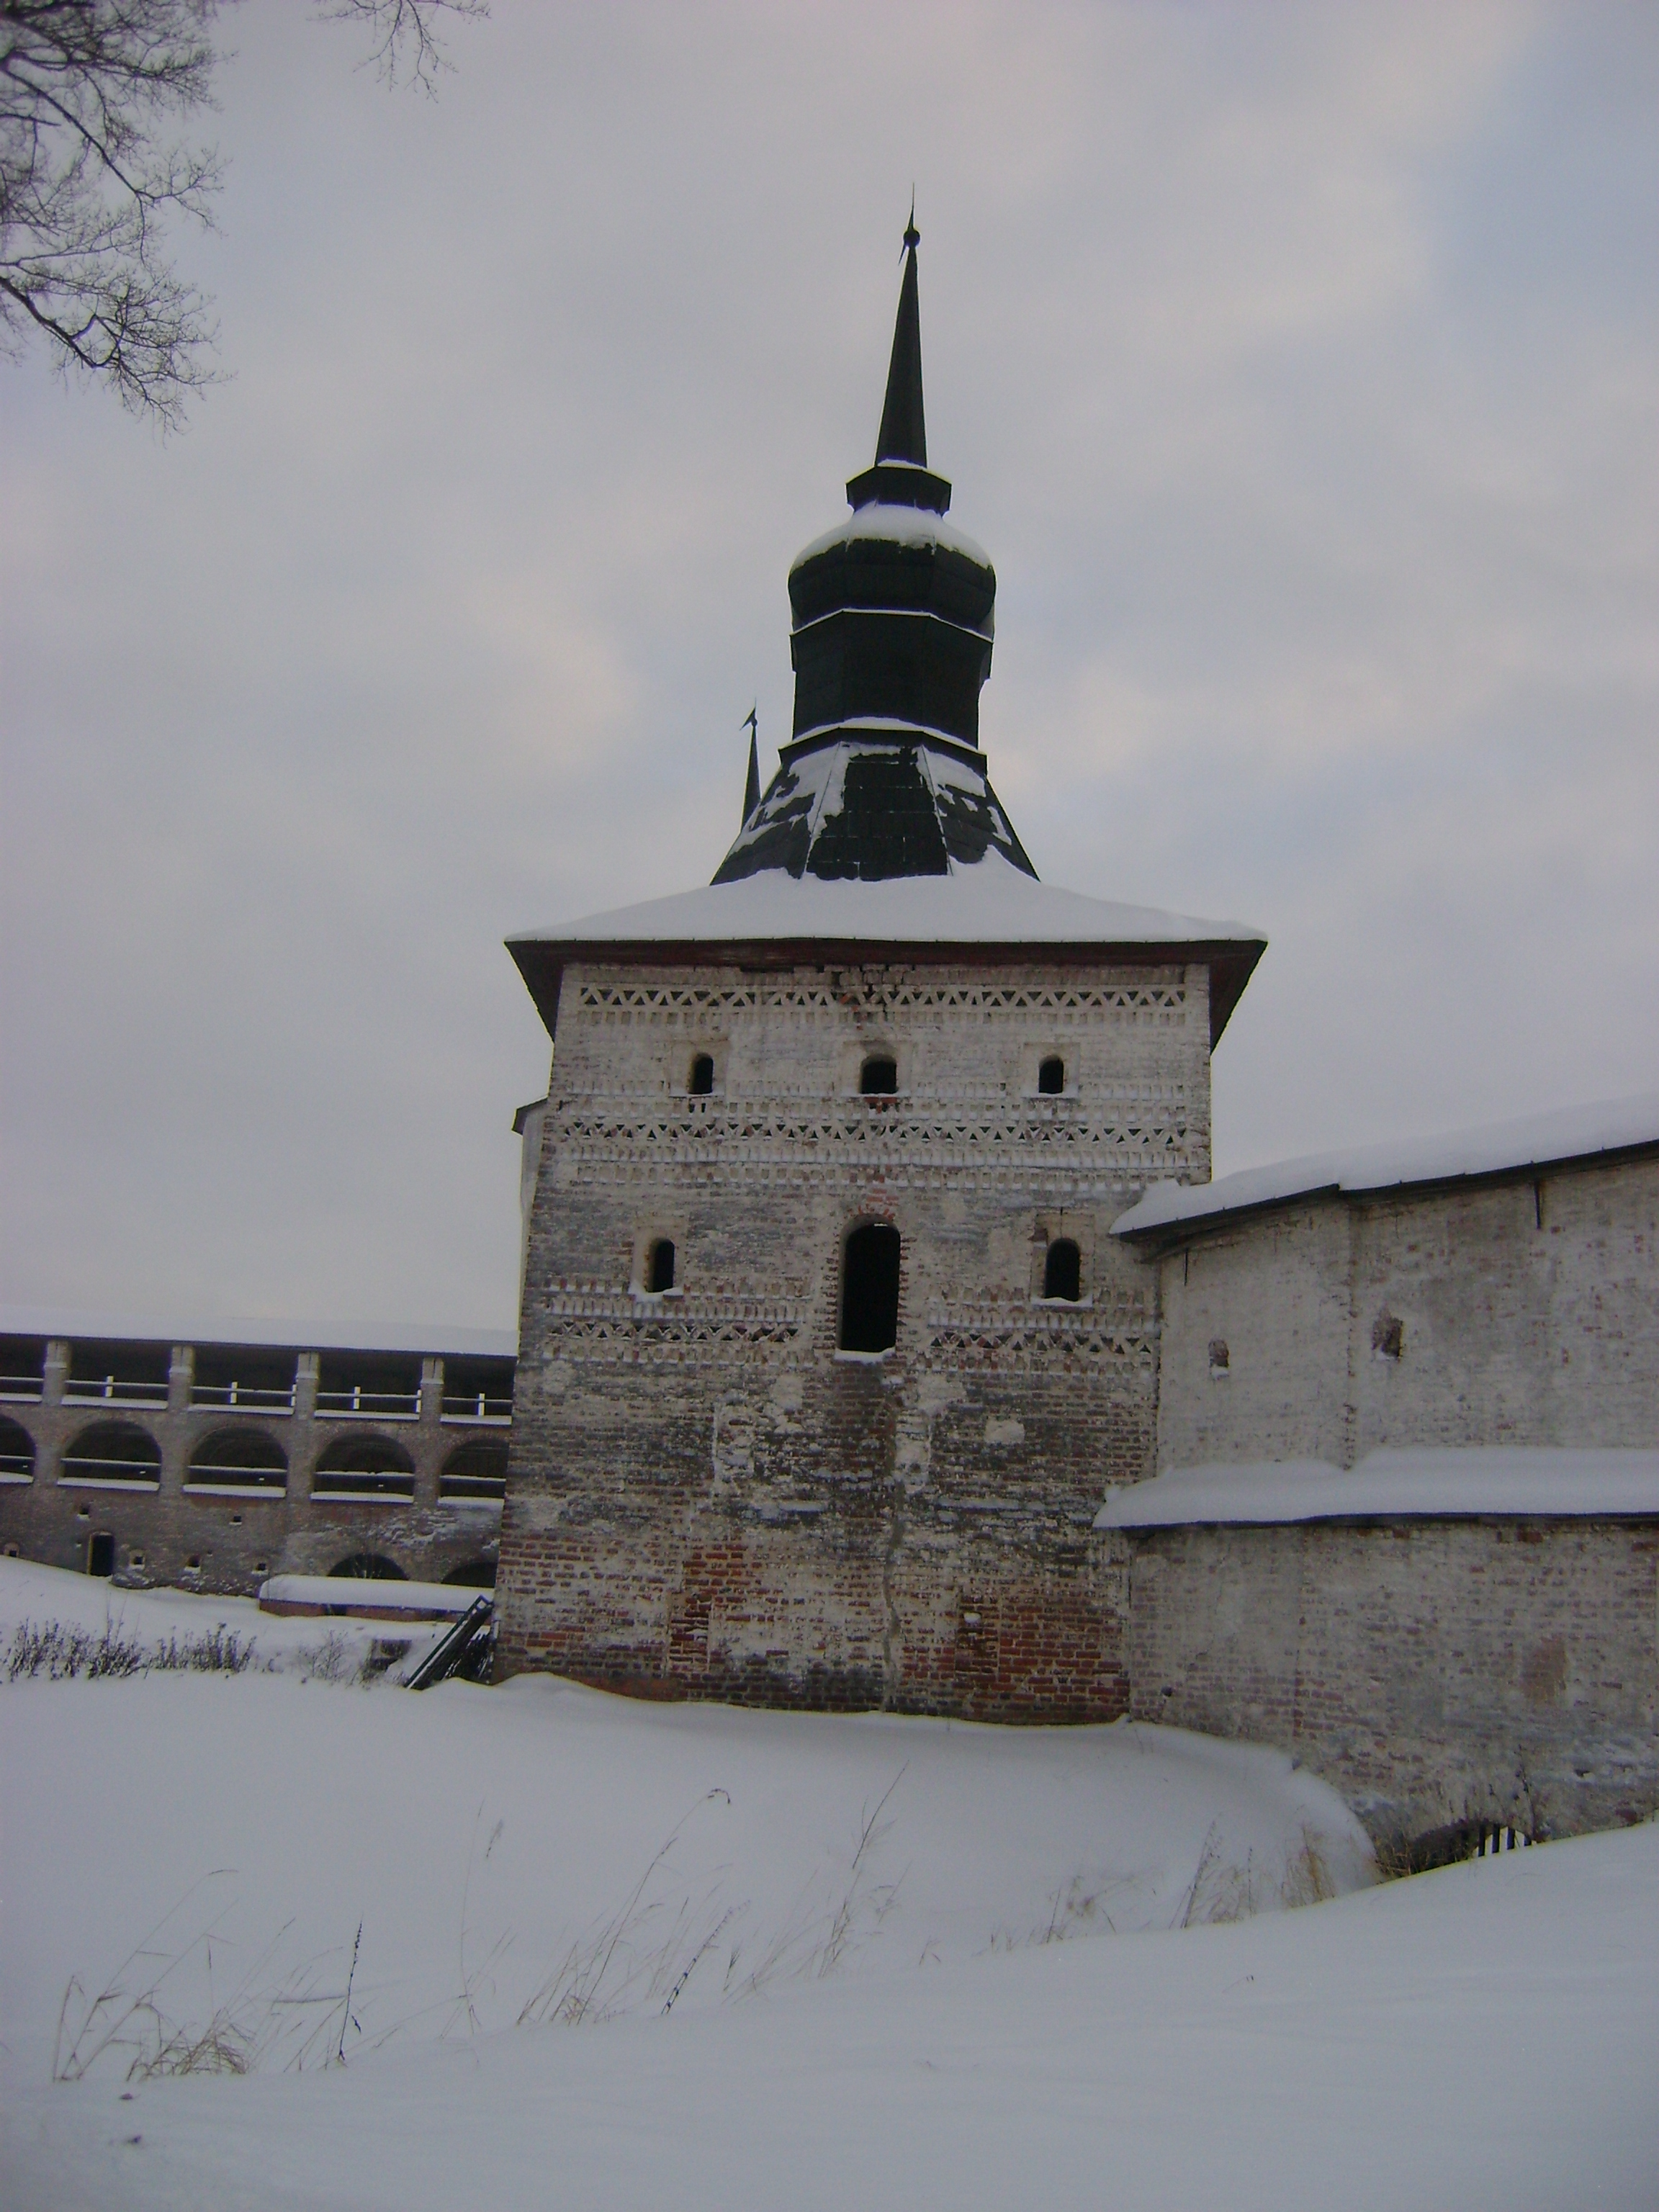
(870, 1289)
(1062, 1274)
(701, 1083)
(659, 1268)
(878, 1077)
(1051, 1077)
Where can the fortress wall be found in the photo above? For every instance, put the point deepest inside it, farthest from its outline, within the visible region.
(705, 1499)
(1432, 1671)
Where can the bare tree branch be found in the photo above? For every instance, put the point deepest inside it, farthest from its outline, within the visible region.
(406, 40)
(99, 102)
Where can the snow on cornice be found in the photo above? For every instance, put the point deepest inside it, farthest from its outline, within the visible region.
(1501, 1480)
(1537, 1141)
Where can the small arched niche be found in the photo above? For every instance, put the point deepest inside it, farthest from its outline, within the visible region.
(364, 1467)
(878, 1077)
(476, 1574)
(16, 1452)
(870, 1288)
(368, 1567)
(660, 1266)
(238, 1459)
(476, 1471)
(700, 1083)
(1051, 1077)
(1062, 1270)
(118, 1452)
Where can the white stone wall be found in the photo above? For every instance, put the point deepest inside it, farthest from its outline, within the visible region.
(1524, 1311)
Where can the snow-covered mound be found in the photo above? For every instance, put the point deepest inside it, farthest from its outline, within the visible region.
(536, 1945)
(545, 1850)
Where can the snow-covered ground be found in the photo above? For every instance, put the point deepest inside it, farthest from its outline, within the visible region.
(623, 1954)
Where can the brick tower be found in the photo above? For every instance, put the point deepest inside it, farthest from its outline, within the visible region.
(825, 1356)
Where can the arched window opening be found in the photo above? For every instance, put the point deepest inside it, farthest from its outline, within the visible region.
(16, 1452)
(1062, 1274)
(870, 1289)
(116, 1452)
(369, 1567)
(100, 1554)
(477, 1574)
(701, 1083)
(364, 1467)
(238, 1459)
(477, 1470)
(878, 1077)
(660, 1266)
(1051, 1077)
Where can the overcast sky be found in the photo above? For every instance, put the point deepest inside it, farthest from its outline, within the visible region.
(1296, 366)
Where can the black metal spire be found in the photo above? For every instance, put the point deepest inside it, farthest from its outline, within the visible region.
(751, 785)
(903, 432)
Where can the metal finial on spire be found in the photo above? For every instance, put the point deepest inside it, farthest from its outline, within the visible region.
(903, 434)
(751, 790)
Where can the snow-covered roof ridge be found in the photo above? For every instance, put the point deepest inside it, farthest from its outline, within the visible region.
(1534, 1140)
(436, 1341)
(986, 902)
(1508, 1481)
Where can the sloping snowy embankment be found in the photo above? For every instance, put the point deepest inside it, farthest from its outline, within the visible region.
(774, 1960)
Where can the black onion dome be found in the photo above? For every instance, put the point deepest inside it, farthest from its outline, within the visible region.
(893, 625)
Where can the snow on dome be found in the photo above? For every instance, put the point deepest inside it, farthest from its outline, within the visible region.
(897, 526)
(1490, 1148)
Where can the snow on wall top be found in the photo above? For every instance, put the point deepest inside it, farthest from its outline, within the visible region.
(435, 1342)
(898, 526)
(1535, 1140)
(1500, 1479)
(986, 902)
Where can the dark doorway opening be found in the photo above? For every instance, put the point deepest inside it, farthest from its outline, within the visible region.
(1051, 1078)
(878, 1077)
(659, 1268)
(703, 1076)
(870, 1289)
(100, 1554)
(1063, 1277)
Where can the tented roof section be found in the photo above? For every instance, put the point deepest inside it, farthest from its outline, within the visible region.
(972, 912)
(1491, 1149)
(851, 810)
(436, 1341)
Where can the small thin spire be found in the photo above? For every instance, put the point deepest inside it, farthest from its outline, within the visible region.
(751, 791)
(903, 434)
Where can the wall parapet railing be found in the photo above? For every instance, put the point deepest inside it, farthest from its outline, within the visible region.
(242, 1398)
(478, 1407)
(113, 1390)
(21, 1390)
(358, 1404)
